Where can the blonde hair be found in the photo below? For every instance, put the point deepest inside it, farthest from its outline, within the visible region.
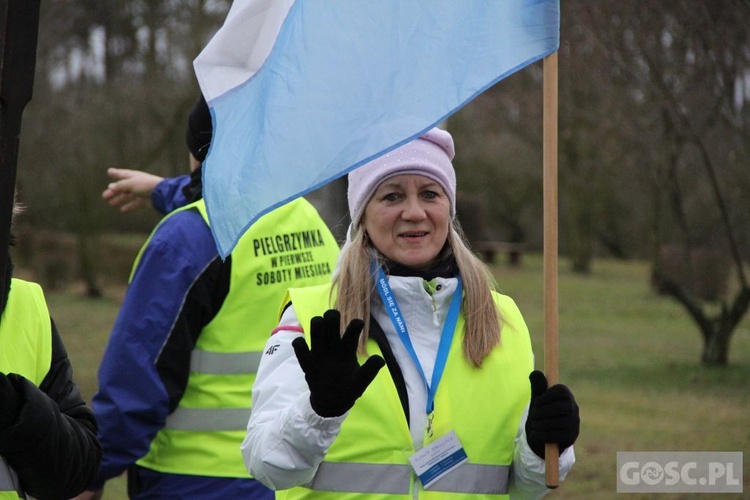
(354, 284)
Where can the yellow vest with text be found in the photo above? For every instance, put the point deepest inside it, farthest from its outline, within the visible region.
(370, 457)
(290, 246)
(25, 349)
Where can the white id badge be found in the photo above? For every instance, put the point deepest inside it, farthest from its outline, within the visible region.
(438, 459)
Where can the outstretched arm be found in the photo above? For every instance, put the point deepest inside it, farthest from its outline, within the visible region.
(133, 189)
(130, 189)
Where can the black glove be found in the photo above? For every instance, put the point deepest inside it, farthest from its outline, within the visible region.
(331, 369)
(10, 401)
(553, 415)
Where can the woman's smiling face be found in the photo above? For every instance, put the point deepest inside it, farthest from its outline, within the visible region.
(408, 219)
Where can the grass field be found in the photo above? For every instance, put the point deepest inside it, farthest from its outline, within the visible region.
(630, 356)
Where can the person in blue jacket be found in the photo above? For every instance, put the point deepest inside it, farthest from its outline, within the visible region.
(175, 380)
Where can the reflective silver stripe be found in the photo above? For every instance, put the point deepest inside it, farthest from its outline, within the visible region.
(394, 479)
(475, 478)
(208, 419)
(216, 419)
(224, 363)
(362, 478)
(9, 479)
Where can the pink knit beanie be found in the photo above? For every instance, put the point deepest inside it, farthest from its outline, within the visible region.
(429, 155)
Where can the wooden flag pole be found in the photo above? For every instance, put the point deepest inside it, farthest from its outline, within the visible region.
(549, 160)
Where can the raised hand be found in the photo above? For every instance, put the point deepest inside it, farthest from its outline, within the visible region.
(332, 371)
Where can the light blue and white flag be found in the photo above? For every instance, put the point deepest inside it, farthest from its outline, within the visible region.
(302, 92)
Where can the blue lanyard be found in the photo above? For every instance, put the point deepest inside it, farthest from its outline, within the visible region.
(446, 337)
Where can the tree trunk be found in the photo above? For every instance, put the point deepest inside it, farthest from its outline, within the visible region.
(716, 330)
(87, 250)
(716, 348)
(581, 238)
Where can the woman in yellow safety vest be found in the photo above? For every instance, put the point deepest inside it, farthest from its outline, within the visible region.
(454, 414)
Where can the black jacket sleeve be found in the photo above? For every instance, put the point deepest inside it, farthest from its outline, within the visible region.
(52, 445)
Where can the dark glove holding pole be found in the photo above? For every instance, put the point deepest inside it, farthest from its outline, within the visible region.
(553, 415)
(10, 401)
(333, 374)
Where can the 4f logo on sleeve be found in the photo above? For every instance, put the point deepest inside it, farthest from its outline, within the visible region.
(272, 349)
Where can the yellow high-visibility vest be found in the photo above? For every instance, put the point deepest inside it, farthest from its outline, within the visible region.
(289, 246)
(370, 457)
(25, 349)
